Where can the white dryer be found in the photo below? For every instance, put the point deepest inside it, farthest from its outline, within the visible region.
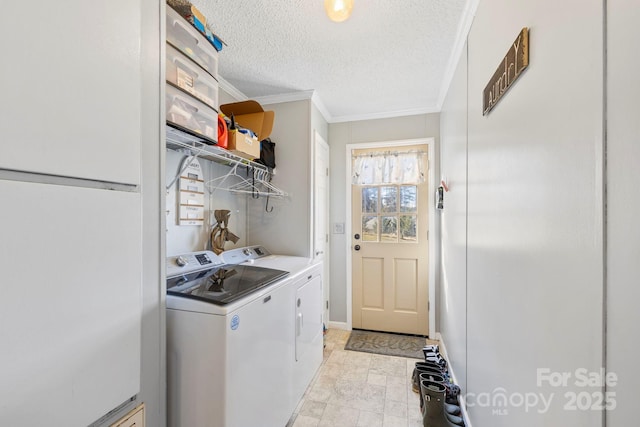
(306, 276)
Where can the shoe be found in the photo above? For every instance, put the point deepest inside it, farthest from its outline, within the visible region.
(425, 367)
(434, 365)
(450, 408)
(434, 413)
(435, 358)
(432, 348)
(453, 391)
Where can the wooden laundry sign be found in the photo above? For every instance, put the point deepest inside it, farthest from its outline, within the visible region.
(514, 62)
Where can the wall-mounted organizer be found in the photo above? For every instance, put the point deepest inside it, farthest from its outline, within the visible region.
(255, 180)
(192, 113)
(186, 38)
(191, 92)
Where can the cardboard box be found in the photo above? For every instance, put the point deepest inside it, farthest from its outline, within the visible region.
(243, 145)
(249, 115)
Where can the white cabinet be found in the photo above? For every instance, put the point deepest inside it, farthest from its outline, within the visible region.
(71, 303)
(70, 85)
(71, 120)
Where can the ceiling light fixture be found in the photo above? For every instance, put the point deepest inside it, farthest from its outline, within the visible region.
(338, 10)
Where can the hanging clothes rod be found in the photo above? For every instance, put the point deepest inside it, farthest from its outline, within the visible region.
(256, 183)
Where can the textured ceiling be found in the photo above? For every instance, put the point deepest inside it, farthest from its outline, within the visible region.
(389, 58)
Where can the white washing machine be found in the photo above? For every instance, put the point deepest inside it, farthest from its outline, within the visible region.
(306, 276)
(230, 343)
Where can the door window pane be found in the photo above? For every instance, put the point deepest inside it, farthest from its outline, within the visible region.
(388, 199)
(408, 198)
(389, 231)
(408, 228)
(370, 228)
(389, 213)
(370, 200)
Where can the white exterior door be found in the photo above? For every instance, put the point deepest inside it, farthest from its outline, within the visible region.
(390, 254)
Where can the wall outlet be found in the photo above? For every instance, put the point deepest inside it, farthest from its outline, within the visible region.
(338, 228)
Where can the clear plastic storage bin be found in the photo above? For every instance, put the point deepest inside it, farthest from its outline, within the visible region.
(191, 114)
(189, 41)
(185, 74)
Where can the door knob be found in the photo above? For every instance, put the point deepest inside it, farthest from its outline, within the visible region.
(356, 236)
(356, 247)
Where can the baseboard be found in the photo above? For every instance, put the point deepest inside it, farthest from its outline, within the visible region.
(452, 373)
(339, 325)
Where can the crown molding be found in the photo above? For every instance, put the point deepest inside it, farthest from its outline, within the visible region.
(466, 20)
(386, 114)
(231, 89)
(312, 95)
(302, 95)
(317, 101)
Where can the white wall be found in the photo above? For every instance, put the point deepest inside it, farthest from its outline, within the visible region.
(623, 208)
(341, 134)
(452, 307)
(534, 215)
(287, 229)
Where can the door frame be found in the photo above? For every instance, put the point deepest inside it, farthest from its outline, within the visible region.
(430, 142)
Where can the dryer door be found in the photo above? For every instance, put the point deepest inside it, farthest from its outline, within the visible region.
(308, 315)
(308, 333)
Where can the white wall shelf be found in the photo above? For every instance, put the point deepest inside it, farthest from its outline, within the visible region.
(180, 140)
(177, 139)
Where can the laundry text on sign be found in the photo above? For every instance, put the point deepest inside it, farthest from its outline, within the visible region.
(514, 62)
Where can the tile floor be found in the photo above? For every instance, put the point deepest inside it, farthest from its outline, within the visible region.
(358, 389)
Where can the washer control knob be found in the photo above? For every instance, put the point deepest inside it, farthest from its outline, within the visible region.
(181, 261)
(246, 251)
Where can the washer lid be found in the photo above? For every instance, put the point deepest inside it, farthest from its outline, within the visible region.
(222, 285)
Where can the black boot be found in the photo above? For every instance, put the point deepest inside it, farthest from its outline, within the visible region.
(422, 367)
(450, 408)
(433, 365)
(434, 413)
(427, 376)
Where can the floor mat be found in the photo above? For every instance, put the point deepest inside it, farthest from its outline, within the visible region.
(387, 344)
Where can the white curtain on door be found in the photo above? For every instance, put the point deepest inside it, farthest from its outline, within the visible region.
(389, 168)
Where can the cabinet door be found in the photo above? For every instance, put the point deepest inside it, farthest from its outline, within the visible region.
(70, 83)
(70, 309)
